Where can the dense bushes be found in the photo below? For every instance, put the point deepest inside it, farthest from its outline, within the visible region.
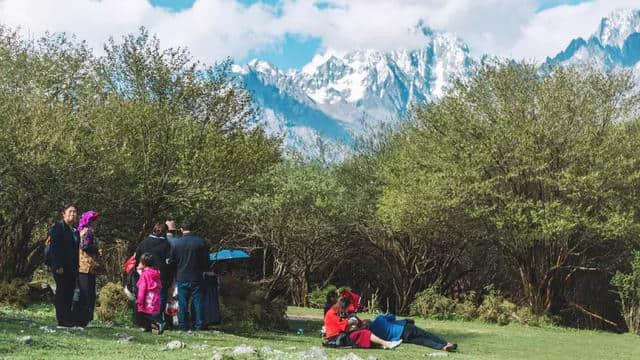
(246, 306)
(14, 292)
(628, 286)
(495, 308)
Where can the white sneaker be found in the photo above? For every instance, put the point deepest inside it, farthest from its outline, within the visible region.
(393, 344)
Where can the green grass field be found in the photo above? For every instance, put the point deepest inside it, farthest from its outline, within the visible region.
(476, 340)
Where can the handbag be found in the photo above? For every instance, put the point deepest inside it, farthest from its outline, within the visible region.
(129, 265)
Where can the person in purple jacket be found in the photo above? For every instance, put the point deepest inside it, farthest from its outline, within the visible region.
(387, 327)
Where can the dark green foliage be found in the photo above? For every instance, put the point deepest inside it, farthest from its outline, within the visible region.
(245, 306)
(14, 292)
(318, 297)
(628, 287)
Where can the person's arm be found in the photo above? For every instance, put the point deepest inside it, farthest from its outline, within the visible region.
(390, 316)
(204, 257)
(55, 249)
(138, 252)
(142, 289)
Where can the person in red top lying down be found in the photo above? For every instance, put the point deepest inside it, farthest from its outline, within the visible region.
(343, 332)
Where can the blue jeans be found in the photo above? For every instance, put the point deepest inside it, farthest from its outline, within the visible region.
(189, 290)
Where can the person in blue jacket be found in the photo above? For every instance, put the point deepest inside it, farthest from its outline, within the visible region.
(387, 327)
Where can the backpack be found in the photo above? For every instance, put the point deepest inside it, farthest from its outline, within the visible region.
(47, 248)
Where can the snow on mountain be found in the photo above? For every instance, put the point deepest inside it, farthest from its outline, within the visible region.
(615, 45)
(341, 97)
(337, 98)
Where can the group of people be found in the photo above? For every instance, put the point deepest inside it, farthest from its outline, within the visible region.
(165, 259)
(343, 328)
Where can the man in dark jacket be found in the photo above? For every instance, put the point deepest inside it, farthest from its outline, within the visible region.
(158, 246)
(190, 256)
(63, 259)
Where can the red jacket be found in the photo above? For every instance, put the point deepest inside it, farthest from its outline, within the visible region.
(333, 324)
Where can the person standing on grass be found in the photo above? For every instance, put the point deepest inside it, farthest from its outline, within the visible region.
(190, 256)
(148, 298)
(63, 260)
(343, 332)
(158, 246)
(88, 267)
(387, 327)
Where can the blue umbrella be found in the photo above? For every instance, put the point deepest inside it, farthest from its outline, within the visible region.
(228, 255)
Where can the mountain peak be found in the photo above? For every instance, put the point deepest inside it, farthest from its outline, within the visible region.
(618, 26)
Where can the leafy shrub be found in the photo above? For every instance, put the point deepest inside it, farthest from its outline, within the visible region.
(14, 292)
(318, 297)
(467, 309)
(496, 309)
(628, 286)
(113, 302)
(431, 304)
(245, 306)
(525, 316)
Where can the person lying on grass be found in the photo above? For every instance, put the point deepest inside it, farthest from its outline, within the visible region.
(388, 328)
(344, 332)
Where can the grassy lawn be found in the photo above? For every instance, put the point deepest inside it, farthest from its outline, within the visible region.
(476, 340)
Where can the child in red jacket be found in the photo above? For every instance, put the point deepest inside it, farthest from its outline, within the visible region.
(148, 299)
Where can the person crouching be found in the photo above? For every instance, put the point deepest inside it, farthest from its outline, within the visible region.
(148, 299)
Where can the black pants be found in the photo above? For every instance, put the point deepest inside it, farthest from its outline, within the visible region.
(65, 286)
(146, 320)
(414, 335)
(87, 303)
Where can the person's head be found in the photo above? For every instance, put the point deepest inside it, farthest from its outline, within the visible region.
(186, 227)
(171, 227)
(88, 218)
(332, 297)
(342, 304)
(69, 213)
(146, 260)
(159, 229)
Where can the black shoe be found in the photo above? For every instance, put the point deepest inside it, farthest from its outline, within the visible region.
(161, 327)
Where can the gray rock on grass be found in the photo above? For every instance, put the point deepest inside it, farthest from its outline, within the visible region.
(243, 350)
(174, 345)
(315, 353)
(25, 340)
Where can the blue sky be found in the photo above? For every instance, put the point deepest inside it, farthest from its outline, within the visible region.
(289, 33)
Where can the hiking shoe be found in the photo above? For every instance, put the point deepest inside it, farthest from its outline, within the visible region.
(450, 347)
(393, 344)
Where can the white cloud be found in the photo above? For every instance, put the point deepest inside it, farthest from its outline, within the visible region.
(550, 31)
(214, 29)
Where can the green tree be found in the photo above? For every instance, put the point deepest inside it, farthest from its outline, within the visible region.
(525, 155)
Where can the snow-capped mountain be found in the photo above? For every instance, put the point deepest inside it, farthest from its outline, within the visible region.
(337, 98)
(340, 97)
(615, 45)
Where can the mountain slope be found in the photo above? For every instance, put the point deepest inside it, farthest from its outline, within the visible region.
(338, 98)
(341, 97)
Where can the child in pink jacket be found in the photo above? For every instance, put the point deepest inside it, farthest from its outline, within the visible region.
(148, 300)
